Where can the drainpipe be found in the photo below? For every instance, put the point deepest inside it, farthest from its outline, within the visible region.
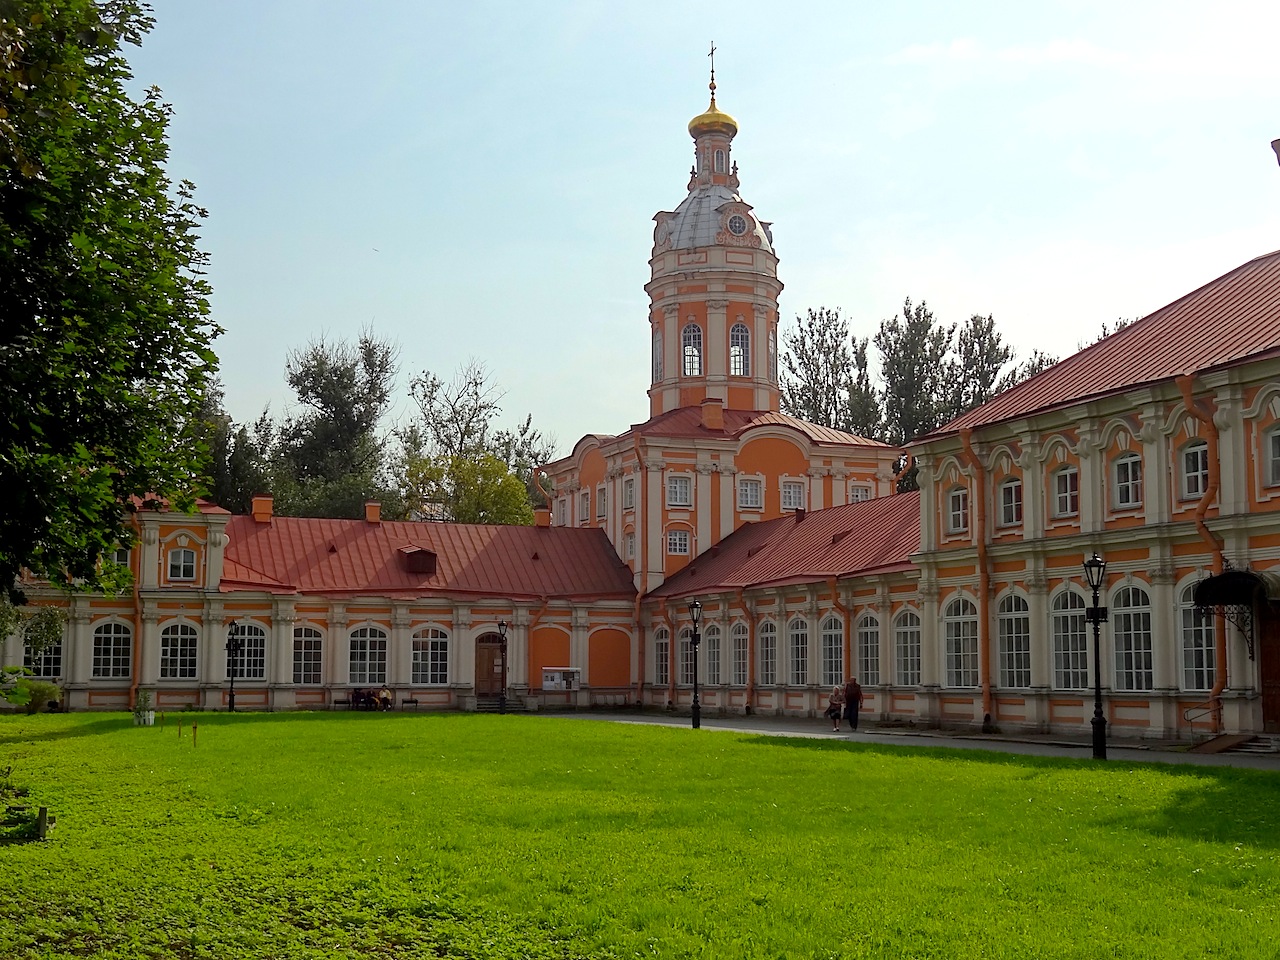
(984, 572)
(137, 619)
(751, 652)
(848, 624)
(1203, 410)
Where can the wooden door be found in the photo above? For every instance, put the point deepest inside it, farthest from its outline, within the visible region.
(1268, 634)
(488, 668)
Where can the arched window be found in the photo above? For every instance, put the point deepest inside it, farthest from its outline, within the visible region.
(740, 350)
(308, 650)
(1131, 629)
(1195, 469)
(112, 650)
(832, 632)
(1127, 492)
(178, 652)
(661, 657)
(1070, 643)
(657, 356)
(1199, 665)
(431, 657)
(687, 654)
(711, 641)
(798, 633)
(1014, 619)
(738, 636)
(368, 662)
(960, 623)
(768, 653)
(719, 161)
(869, 651)
(773, 356)
(691, 345)
(906, 641)
(251, 662)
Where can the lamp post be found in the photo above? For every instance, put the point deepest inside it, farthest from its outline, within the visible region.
(235, 644)
(1095, 572)
(502, 654)
(695, 614)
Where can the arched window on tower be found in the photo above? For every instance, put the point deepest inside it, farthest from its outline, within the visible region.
(691, 342)
(719, 161)
(773, 356)
(740, 350)
(657, 356)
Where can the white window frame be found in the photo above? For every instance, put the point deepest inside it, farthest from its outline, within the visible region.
(112, 651)
(1199, 644)
(960, 627)
(562, 511)
(1011, 502)
(367, 656)
(629, 545)
(768, 635)
(1131, 634)
(584, 508)
(47, 666)
(661, 657)
(657, 356)
(1070, 642)
(750, 493)
(679, 490)
(602, 502)
(868, 634)
(678, 543)
(308, 656)
(798, 644)
(739, 350)
(907, 646)
(182, 564)
(859, 492)
(1126, 473)
(691, 350)
(629, 493)
(1194, 462)
(179, 651)
(739, 640)
(685, 657)
(711, 643)
(831, 631)
(1272, 438)
(252, 661)
(1013, 628)
(958, 510)
(793, 495)
(1066, 492)
(430, 667)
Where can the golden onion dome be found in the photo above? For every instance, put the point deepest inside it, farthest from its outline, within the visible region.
(713, 121)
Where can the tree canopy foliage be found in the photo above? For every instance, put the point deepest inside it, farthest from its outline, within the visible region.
(104, 316)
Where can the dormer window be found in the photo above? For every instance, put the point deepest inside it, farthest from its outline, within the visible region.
(182, 564)
(415, 559)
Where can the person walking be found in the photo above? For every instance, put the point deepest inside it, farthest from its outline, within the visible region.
(835, 707)
(852, 702)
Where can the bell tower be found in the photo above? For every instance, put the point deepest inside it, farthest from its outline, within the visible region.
(713, 288)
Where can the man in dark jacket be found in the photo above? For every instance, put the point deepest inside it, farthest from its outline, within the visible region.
(852, 701)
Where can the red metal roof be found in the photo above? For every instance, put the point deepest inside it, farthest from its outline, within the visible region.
(874, 536)
(1228, 320)
(330, 557)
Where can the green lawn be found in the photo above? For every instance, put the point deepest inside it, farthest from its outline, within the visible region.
(365, 835)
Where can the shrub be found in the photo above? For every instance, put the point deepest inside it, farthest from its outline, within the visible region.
(41, 691)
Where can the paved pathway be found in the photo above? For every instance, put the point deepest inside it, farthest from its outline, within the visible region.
(1143, 751)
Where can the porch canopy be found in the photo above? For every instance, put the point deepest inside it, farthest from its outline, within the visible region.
(1237, 588)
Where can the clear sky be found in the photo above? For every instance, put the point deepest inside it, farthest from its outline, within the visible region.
(478, 179)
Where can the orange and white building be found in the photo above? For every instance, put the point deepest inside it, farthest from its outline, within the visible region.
(1158, 447)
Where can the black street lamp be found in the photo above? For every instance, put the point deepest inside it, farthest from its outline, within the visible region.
(502, 653)
(1095, 572)
(235, 644)
(695, 614)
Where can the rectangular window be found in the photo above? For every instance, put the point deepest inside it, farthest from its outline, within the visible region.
(1066, 492)
(182, 564)
(1070, 644)
(859, 492)
(630, 542)
(678, 542)
(251, 663)
(686, 658)
(1011, 503)
(799, 653)
(584, 508)
(112, 651)
(178, 652)
(712, 643)
(307, 644)
(1195, 471)
(750, 494)
(368, 663)
(962, 652)
(906, 638)
(561, 512)
(1198, 648)
(1273, 458)
(121, 556)
(679, 492)
(431, 659)
(792, 495)
(661, 659)
(739, 638)
(958, 510)
(768, 654)
(869, 651)
(629, 493)
(832, 652)
(47, 666)
(1015, 651)
(602, 503)
(1128, 482)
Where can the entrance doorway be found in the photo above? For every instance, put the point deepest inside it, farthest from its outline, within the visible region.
(1268, 627)
(489, 665)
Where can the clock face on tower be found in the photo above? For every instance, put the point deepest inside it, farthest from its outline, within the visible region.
(737, 225)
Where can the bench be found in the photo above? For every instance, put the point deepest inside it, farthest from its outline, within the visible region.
(409, 702)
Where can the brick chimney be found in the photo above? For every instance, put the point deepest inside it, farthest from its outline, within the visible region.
(372, 511)
(542, 518)
(713, 413)
(261, 508)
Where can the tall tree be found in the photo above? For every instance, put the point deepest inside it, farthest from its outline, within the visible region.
(450, 451)
(917, 368)
(826, 378)
(981, 354)
(104, 315)
(329, 459)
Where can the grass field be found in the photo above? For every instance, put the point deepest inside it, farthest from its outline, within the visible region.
(365, 835)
